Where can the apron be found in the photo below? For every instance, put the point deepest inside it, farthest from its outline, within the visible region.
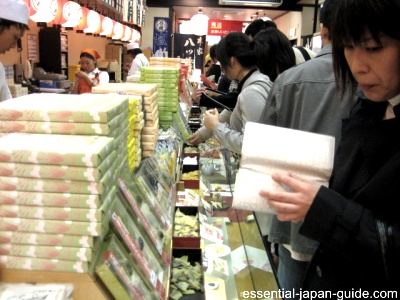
(84, 87)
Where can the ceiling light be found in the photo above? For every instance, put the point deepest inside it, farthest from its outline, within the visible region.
(199, 23)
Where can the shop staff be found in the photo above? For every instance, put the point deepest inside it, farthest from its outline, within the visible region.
(14, 15)
(139, 59)
(89, 75)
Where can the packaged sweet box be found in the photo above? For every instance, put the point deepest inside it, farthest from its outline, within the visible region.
(74, 150)
(51, 252)
(54, 127)
(85, 108)
(121, 274)
(42, 264)
(46, 239)
(145, 89)
(58, 171)
(54, 213)
(55, 199)
(54, 226)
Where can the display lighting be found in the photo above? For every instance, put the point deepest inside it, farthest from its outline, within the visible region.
(45, 12)
(33, 6)
(83, 12)
(118, 32)
(100, 28)
(59, 17)
(107, 27)
(135, 36)
(127, 34)
(92, 22)
(72, 13)
(199, 23)
(185, 27)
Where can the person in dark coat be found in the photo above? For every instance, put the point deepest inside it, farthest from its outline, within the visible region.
(356, 220)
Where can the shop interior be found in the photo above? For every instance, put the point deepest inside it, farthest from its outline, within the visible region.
(226, 247)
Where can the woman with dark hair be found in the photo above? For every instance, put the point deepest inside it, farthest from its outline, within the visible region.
(238, 57)
(273, 55)
(215, 68)
(257, 25)
(89, 75)
(356, 219)
(276, 52)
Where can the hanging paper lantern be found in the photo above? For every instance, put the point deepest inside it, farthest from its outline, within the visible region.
(99, 29)
(127, 34)
(199, 23)
(107, 27)
(33, 6)
(45, 12)
(72, 14)
(135, 36)
(82, 19)
(118, 31)
(92, 22)
(59, 17)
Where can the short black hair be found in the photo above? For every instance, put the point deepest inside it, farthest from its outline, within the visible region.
(275, 52)
(326, 13)
(357, 19)
(257, 25)
(238, 45)
(135, 51)
(6, 24)
(213, 50)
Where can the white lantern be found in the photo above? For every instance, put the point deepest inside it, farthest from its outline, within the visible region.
(199, 24)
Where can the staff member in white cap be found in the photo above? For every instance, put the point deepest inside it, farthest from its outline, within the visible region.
(14, 16)
(139, 59)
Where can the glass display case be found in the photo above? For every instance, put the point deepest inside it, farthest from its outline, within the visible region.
(237, 265)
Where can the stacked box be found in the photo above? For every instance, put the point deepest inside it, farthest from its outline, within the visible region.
(168, 62)
(146, 124)
(17, 90)
(58, 171)
(33, 213)
(86, 114)
(167, 80)
(9, 73)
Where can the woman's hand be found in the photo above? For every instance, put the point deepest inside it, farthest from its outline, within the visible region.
(197, 92)
(195, 139)
(291, 206)
(211, 118)
(81, 74)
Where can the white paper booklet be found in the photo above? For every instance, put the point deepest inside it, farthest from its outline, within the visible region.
(270, 149)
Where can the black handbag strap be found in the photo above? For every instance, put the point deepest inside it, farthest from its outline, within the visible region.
(304, 53)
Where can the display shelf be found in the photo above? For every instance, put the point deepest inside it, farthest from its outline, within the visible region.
(53, 43)
(249, 266)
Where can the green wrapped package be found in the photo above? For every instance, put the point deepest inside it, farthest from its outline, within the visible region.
(57, 149)
(46, 239)
(42, 264)
(85, 108)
